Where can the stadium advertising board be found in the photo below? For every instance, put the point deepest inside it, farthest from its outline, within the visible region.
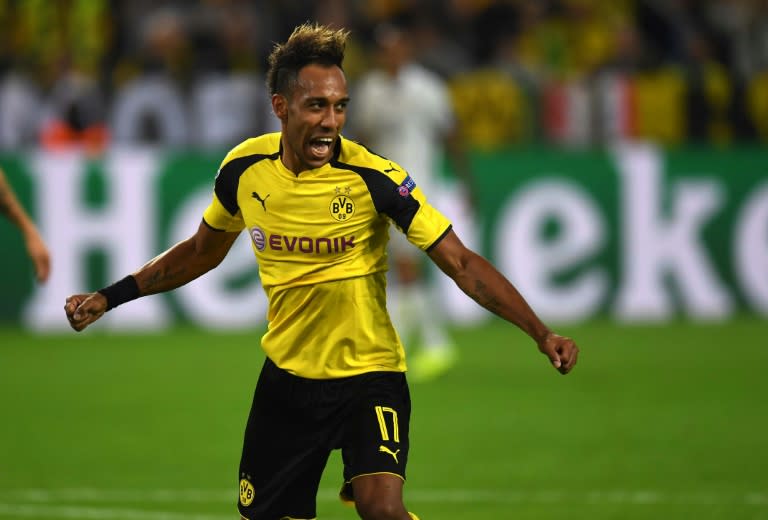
(632, 232)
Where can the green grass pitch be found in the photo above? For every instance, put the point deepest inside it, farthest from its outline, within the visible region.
(656, 422)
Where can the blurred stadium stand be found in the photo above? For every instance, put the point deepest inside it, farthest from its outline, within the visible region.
(570, 72)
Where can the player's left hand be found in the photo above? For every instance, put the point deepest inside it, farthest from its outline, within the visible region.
(561, 351)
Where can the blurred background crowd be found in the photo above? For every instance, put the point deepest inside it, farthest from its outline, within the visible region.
(189, 73)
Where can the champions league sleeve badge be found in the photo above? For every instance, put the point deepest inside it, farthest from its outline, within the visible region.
(406, 187)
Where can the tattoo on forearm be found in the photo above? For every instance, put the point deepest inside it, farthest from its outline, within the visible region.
(484, 297)
(153, 281)
(160, 280)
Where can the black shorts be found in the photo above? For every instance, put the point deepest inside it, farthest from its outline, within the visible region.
(295, 423)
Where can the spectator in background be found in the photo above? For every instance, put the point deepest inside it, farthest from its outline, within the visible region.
(709, 95)
(36, 248)
(742, 27)
(228, 99)
(20, 112)
(403, 110)
(435, 48)
(150, 108)
(74, 113)
(741, 30)
(343, 14)
(51, 92)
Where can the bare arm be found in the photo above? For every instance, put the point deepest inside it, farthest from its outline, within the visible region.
(185, 261)
(487, 286)
(14, 211)
(179, 265)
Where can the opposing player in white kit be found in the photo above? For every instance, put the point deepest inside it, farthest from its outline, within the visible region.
(404, 110)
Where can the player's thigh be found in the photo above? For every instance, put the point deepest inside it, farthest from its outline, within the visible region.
(285, 449)
(376, 437)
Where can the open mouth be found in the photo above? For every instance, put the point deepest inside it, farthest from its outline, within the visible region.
(321, 147)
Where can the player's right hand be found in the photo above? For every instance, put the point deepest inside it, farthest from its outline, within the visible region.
(561, 351)
(84, 309)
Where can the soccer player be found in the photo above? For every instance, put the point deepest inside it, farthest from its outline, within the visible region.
(36, 248)
(317, 208)
(404, 112)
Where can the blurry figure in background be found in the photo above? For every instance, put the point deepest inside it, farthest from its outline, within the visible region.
(228, 98)
(20, 113)
(437, 47)
(741, 29)
(52, 95)
(74, 113)
(150, 108)
(404, 111)
(345, 14)
(62, 48)
(36, 248)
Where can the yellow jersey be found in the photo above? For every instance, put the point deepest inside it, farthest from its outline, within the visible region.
(320, 242)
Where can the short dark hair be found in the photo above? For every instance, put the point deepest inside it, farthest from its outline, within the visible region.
(309, 43)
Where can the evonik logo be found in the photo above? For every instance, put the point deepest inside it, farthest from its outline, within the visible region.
(303, 245)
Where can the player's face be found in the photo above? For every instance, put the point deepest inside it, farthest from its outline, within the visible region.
(312, 116)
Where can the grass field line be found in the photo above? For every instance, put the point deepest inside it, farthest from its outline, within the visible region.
(88, 496)
(97, 513)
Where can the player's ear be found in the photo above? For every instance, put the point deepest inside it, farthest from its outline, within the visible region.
(279, 106)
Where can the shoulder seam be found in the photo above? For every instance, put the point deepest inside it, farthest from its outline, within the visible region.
(228, 178)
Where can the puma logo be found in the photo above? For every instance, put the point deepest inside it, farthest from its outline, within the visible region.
(391, 169)
(384, 449)
(263, 201)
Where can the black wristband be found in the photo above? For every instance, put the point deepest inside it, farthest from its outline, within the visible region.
(120, 292)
